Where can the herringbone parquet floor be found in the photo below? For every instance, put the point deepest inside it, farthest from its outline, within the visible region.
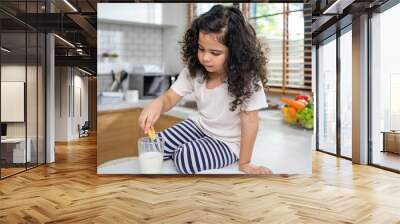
(70, 191)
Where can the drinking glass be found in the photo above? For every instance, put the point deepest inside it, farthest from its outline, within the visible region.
(151, 154)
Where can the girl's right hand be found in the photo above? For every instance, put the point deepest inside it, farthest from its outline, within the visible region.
(252, 169)
(150, 115)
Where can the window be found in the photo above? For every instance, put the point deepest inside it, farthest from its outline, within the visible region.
(296, 77)
(267, 19)
(280, 27)
(346, 93)
(201, 8)
(22, 65)
(327, 96)
(385, 89)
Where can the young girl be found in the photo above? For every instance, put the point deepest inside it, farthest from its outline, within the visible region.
(226, 73)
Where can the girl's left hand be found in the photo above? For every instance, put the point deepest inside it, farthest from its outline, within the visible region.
(252, 169)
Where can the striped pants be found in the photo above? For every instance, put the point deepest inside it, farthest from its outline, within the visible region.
(192, 150)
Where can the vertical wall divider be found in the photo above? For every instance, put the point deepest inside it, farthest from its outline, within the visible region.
(1, 163)
(69, 91)
(37, 91)
(316, 103)
(73, 92)
(60, 88)
(338, 99)
(26, 86)
(45, 93)
(369, 78)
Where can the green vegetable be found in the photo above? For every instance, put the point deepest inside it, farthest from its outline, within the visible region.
(306, 116)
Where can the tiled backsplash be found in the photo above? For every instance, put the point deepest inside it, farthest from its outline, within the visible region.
(104, 82)
(133, 44)
(140, 45)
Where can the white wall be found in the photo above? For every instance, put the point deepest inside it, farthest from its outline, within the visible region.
(134, 45)
(143, 44)
(33, 126)
(80, 103)
(61, 103)
(68, 83)
(13, 73)
(176, 14)
(17, 73)
(82, 82)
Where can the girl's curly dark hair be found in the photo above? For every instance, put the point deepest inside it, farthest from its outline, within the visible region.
(246, 62)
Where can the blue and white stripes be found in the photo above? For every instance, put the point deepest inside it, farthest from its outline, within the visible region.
(192, 150)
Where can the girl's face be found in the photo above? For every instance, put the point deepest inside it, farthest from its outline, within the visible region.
(211, 53)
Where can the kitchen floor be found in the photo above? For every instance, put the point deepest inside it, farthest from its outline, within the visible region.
(282, 148)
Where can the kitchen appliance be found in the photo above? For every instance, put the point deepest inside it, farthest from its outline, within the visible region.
(3, 130)
(150, 85)
(151, 80)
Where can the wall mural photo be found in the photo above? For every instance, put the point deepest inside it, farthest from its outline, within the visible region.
(204, 88)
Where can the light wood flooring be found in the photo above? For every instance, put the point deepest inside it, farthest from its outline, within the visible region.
(388, 159)
(10, 171)
(70, 191)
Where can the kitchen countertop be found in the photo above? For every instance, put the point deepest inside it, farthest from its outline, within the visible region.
(177, 111)
(282, 148)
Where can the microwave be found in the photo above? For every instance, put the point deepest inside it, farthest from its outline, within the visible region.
(150, 85)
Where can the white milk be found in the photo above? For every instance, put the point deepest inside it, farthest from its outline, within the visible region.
(150, 162)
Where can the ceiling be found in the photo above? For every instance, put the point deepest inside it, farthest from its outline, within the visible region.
(73, 20)
(327, 13)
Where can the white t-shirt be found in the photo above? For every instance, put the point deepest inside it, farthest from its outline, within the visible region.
(214, 118)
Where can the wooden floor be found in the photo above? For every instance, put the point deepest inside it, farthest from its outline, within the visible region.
(70, 191)
(387, 159)
(10, 171)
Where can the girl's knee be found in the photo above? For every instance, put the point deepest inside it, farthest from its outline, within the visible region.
(182, 162)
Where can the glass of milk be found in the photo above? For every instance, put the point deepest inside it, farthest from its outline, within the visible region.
(151, 153)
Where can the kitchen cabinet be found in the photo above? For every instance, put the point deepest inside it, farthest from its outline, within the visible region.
(391, 141)
(155, 14)
(119, 131)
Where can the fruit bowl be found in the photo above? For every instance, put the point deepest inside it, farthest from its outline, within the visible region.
(299, 112)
